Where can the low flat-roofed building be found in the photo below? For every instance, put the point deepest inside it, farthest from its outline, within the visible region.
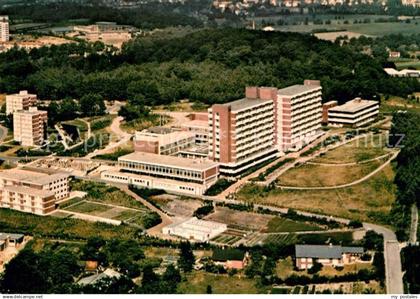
(175, 174)
(402, 73)
(195, 229)
(163, 141)
(327, 255)
(354, 113)
(200, 128)
(31, 191)
(10, 239)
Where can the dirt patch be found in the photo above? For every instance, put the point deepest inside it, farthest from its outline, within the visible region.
(181, 207)
(240, 220)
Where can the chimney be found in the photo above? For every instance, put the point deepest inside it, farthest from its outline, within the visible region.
(251, 92)
(267, 93)
(23, 92)
(312, 82)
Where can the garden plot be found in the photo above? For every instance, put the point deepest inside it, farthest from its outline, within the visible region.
(105, 210)
(240, 220)
(229, 237)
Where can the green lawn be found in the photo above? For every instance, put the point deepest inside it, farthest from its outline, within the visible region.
(279, 224)
(88, 208)
(370, 200)
(376, 29)
(103, 193)
(198, 281)
(14, 221)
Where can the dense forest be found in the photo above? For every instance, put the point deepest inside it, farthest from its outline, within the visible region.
(147, 16)
(210, 66)
(405, 135)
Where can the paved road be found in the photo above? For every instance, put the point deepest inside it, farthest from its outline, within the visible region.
(121, 137)
(394, 276)
(414, 224)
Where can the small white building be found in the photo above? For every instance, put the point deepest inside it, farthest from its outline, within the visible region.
(354, 113)
(195, 229)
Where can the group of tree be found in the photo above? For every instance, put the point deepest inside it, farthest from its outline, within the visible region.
(149, 15)
(209, 66)
(404, 135)
(54, 269)
(405, 44)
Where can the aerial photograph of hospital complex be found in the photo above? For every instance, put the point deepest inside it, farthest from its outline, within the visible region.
(210, 147)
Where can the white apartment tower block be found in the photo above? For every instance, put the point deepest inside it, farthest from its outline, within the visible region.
(19, 101)
(4, 29)
(299, 115)
(29, 126)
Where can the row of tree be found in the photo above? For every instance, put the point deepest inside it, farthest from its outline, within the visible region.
(211, 66)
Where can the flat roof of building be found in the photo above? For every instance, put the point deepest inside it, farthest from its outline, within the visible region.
(29, 191)
(33, 177)
(22, 94)
(163, 138)
(324, 251)
(169, 161)
(297, 89)
(244, 103)
(31, 111)
(146, 177)
(200, 124)
(354, 105)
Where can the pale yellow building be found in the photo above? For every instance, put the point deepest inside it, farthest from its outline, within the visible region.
(20, 101)
(29, 126)
(32, 191)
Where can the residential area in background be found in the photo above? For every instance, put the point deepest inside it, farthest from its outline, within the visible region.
(142, 156)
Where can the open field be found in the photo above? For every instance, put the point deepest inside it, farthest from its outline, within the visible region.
(332, 36)
(197, 283)
(404, 63)
(370, 200)
(102, 193)
(374, 29)
(279, 224)
(309, 175)
(129, 215)
(240, 220)
(180, 207)
(68, 228)
(395, 103)
(356, 151)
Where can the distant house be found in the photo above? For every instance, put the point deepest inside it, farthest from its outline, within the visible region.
(7, 239)
(328, 255)
(230, 258)
(91, 266)
(394, 54)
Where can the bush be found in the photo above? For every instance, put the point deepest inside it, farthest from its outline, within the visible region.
(316, 267)
(355, 224)
(203, 211)
(220, 186)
